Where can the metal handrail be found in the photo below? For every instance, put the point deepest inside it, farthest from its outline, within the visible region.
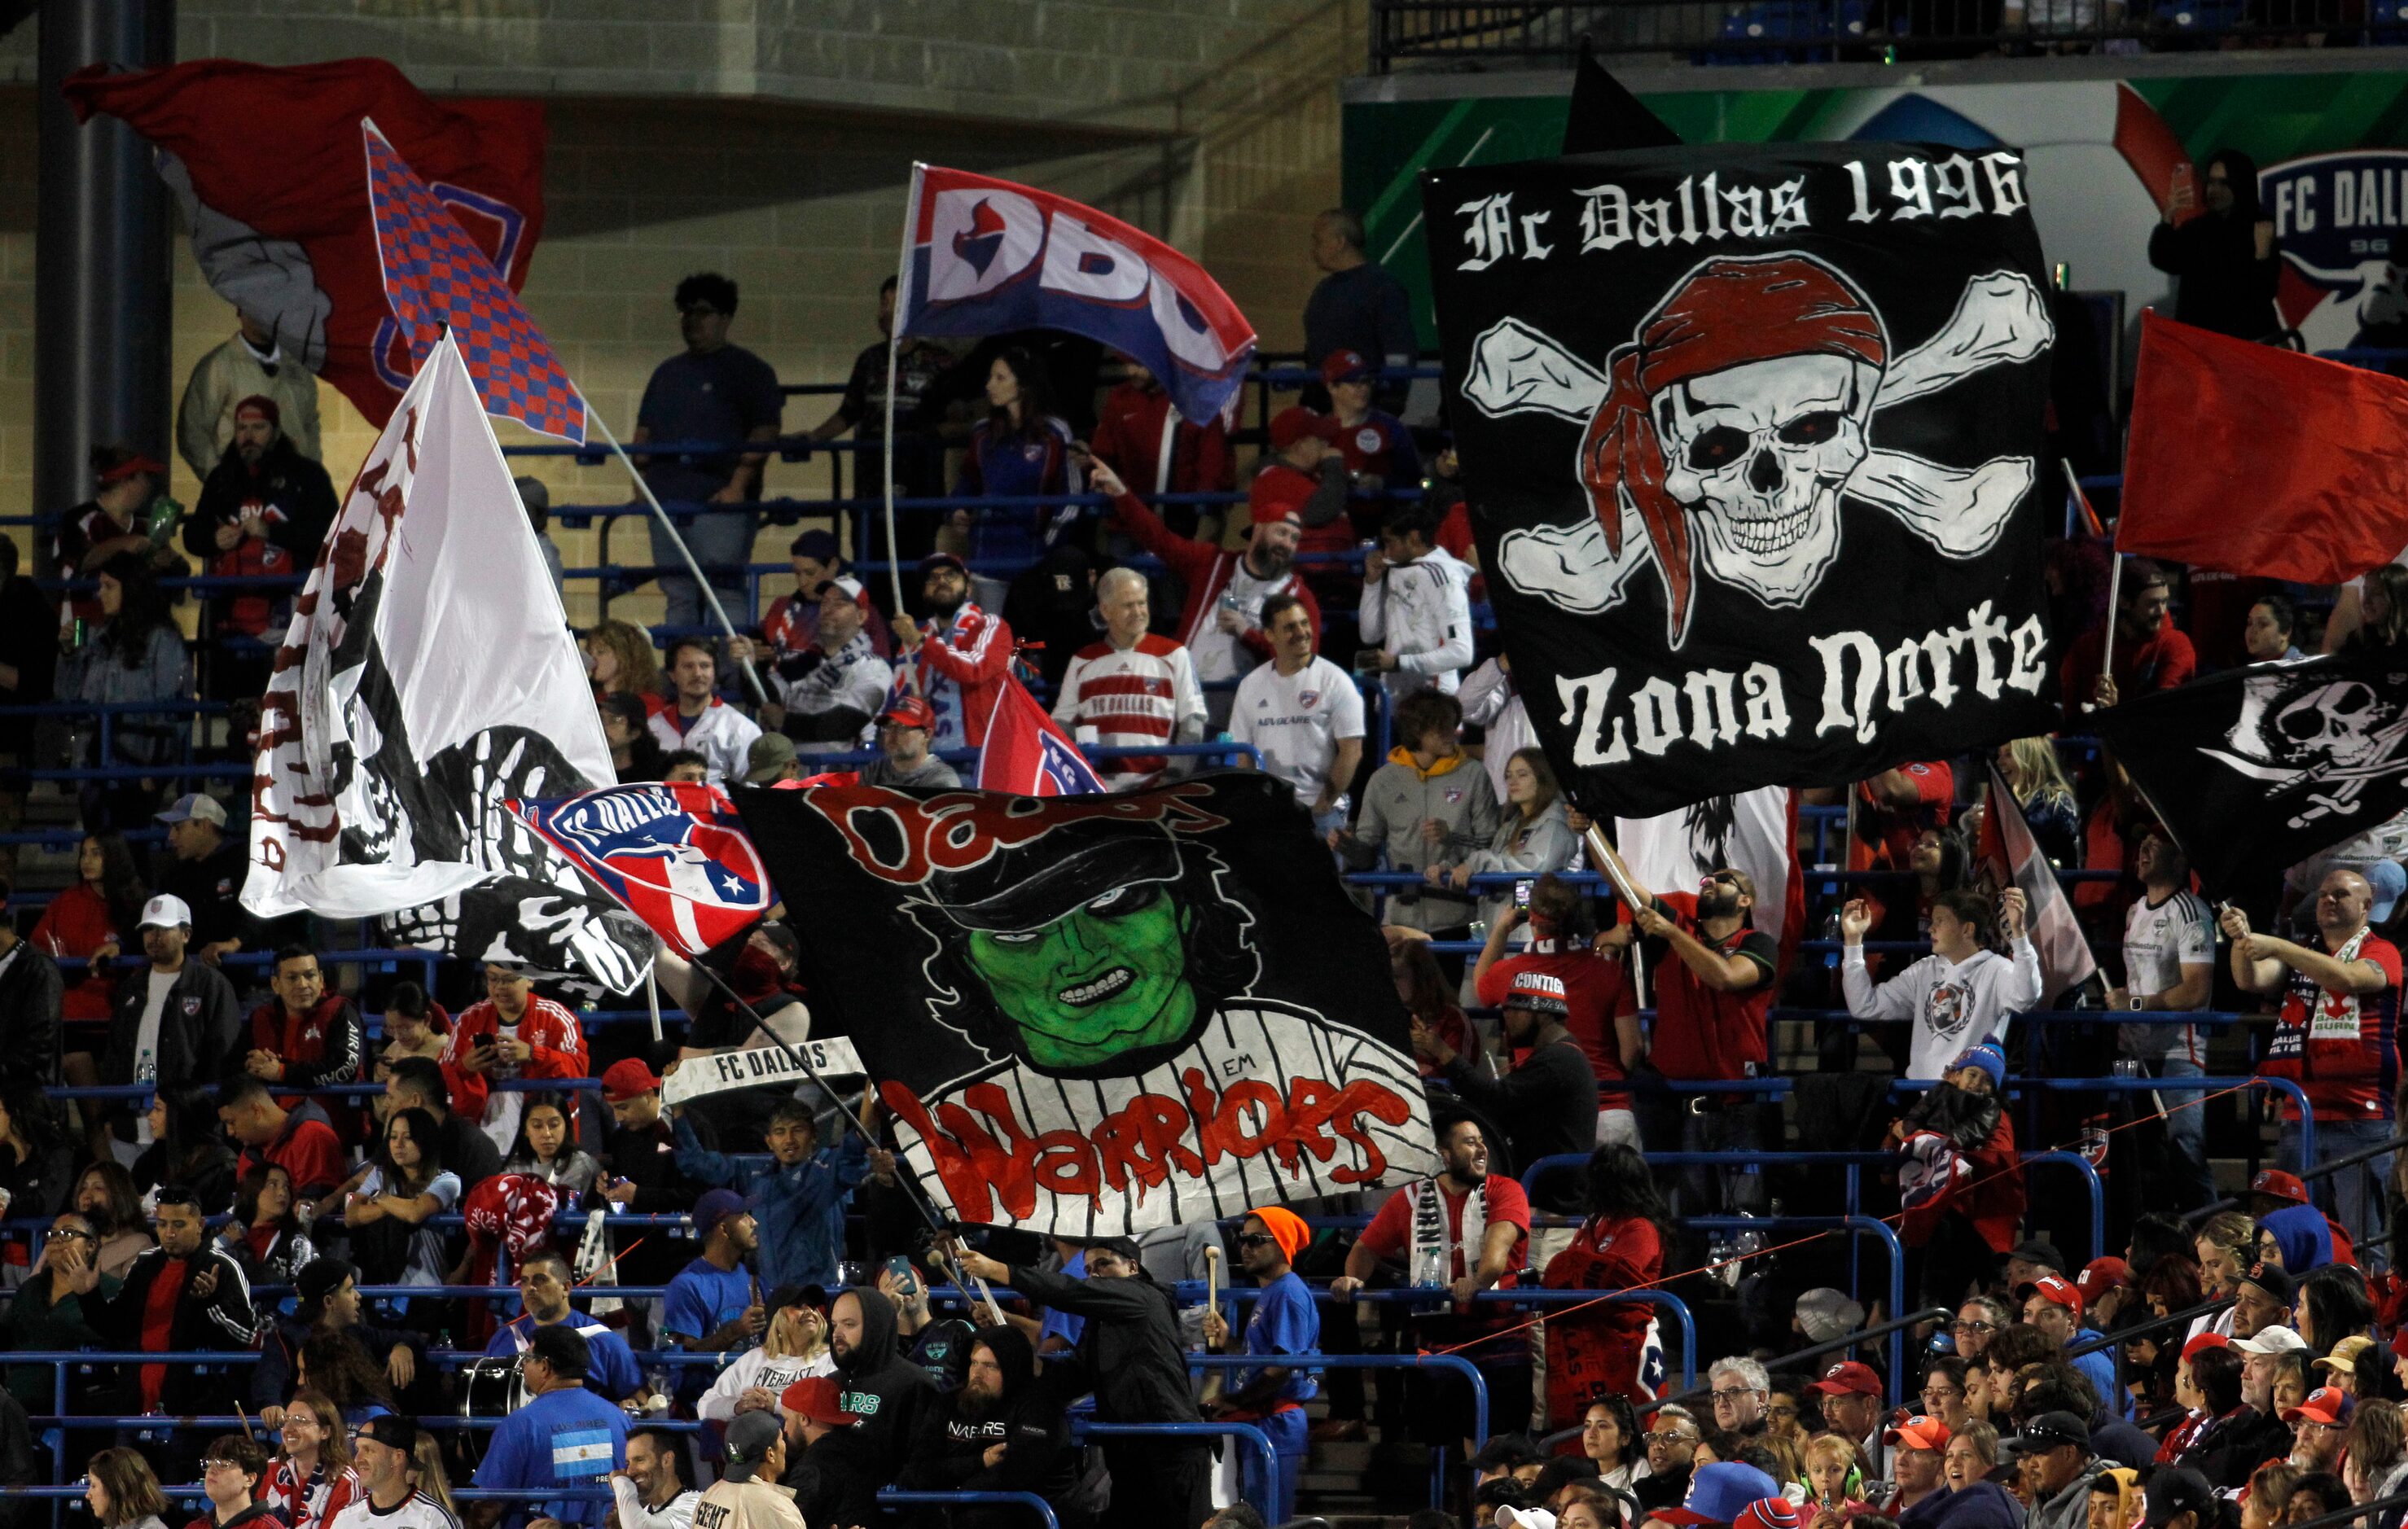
(895, 1497)
(1245, 1434)
(1317, 1361)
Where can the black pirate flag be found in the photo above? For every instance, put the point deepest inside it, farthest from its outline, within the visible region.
(1752, 441)
(1094, 1015)
(2256, 769)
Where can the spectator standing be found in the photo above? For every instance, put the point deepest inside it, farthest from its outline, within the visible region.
(90, 920)
(124, 515)
(2170, 967)
(904, 729)
(1492, 703)
(1283, 1322)
(620, 660)
(207, 873)
(1533, 836)
(1303, 713)
(723, 395)
(1618, 1246)
(135, 657)
(960, 660)
(1358, 304)
(1023, 449)
(714, 1302)
(1712, 996)
(300, 1140)
(2044, 797)
(304, 1036)
(1464, 1230)
(2151, 653)
(250, 365)
(1226, 623)
(29, 633)
(1548, 1101)
(1430, 804)
(511, 1035)
(747, 1494)
(32, 1004)
(1131, 1356)
(1964, 1189)
(1141, 438)
(535, 497)
(919, 455)
(1601, 1012)
(698, 720)
(2337, 1038)
(1378, 449)
(1133, 689)
(262, 514)
(1961, 994)
(890, 1400)
(175, 1019)
(824, 695)
(1000, 1404)
(794, 618)
(1304, 480)
(2224, 256)
(563, 1436)
(799, 1196)
(1415, 609)
(939, 1345)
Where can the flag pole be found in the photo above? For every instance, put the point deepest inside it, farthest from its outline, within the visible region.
(1601, 849)
(752, 680)
(894, 353)
(2114, 605)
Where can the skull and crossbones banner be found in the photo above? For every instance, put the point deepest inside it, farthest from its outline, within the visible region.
(2256, 769)
(1752, 442)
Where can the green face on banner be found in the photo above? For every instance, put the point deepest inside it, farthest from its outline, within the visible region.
(1107, 977)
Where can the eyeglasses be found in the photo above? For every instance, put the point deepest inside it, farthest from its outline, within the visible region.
(1974, 1326)
(208, 1466)
(58, 1233)
(1671, 1435)
(1781, 1410)
(1940, 1393)
(1732, 1397)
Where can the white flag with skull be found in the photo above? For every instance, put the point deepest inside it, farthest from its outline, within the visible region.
(1751, 439)
(428, 677)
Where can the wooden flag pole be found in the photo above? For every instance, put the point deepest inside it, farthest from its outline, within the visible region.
(1601, 850)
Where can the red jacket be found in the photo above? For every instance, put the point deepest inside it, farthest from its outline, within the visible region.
(1205, 570)
(319, 1049)
(2341, 1048)
(559, 1049)
(1128, 438)
(1596, 1352)
(973, 655)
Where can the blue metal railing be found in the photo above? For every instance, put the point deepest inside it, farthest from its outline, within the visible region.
(892, 1497)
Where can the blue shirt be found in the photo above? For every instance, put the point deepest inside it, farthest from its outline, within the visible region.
(611, 1371)
(1062, 1324)
(720, 397)
(2100, 1366)
(1284, 1322)
(563, 1438)
(705, 1297)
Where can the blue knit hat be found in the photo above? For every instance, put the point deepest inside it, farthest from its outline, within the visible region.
(1985, 1056)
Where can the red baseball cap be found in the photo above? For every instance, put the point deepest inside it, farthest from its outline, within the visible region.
(2100, 1276)
(626, 1079)
(2280, 1185)
(1917, 1433)
(2324, 1405)
(2204, 1341)
(2055, 1290)
(127, 468)
(1769, 1513)
(1848, 1379)
(910, 711)
(1345, 366)
(1295, 422)
(815, 1398)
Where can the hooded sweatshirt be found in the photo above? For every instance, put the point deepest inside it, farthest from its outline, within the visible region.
(889, 1397)
(1398, 797)
(2301, 1232)
(1129, 1354)
(1953, 1004)
(951, 1454)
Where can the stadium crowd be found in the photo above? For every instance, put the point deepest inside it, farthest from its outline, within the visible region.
(357, 1203)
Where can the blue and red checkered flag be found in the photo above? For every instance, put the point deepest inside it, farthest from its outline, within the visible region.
(437, 278)
(676, 857)
(1026, 752)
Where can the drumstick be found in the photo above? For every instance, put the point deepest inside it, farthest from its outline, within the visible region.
(245, 1419)
(1212, 1303)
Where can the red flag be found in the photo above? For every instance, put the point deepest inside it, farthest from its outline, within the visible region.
(2149, 146)
(2012, 857)
(2263, 462)
(267, 162)
(1026, 752)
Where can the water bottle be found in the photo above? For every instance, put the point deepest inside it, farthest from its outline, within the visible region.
(163, 514)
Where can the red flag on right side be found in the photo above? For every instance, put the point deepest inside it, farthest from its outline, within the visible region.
(2260, 461)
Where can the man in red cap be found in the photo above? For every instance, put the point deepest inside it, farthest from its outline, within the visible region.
(1141, 437)
(904, 729)
(639, 1166)
(2104, 1284)
(1920, 1444)
(1283, 1322)
(2053, 1304)
(263, 511)
(1852, 1405)
(1593, 982)
(1379, 450)
(2318, 1424)
(1222, 624)
(250, 364)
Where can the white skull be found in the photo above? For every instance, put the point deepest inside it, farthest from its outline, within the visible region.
(1756, 454)
(2341, 725)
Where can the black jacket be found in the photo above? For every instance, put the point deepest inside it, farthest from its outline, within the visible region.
(31, 993)
(889, 1397)
(224, 1322)
(952, 1454)
(1547, 1104)
(211, 887)
(2236, 1445)
(16, 1464)
(285, 479)
(1130, 1354)
(280, 1354)
(198, 1027)
(2224, 285)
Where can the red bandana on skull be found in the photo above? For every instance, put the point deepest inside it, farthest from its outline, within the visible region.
(1729, 311)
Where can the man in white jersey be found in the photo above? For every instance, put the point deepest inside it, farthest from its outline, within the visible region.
(1132, 688)
(2170, 967)
(383, 1451)
(1103, 969)
(652, 1492)
(1304, 713)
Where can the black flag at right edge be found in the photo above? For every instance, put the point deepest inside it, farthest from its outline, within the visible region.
(2255, 769)
(1752, 439)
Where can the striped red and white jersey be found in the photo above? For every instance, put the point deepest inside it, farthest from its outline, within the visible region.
(1131, 697)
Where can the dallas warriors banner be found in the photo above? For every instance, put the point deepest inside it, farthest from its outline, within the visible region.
(1093, 1015)
(1753, 441)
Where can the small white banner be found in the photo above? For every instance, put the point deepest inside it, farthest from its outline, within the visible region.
(724, 1071)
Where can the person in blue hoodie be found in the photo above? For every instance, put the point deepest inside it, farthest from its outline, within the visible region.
(2298, 1239)
(2052, 1305)
(797, 1199)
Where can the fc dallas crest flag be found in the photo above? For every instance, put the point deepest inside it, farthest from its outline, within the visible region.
(674, 856)
(1753, 441)
(2255, 769)
(266, 163)
(1027, 753)
(1091, 1015)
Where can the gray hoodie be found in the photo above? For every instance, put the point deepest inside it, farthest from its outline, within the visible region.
(1398, 798)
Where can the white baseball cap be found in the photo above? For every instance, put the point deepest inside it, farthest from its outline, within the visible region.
(2272, 1339)
(165, 912)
